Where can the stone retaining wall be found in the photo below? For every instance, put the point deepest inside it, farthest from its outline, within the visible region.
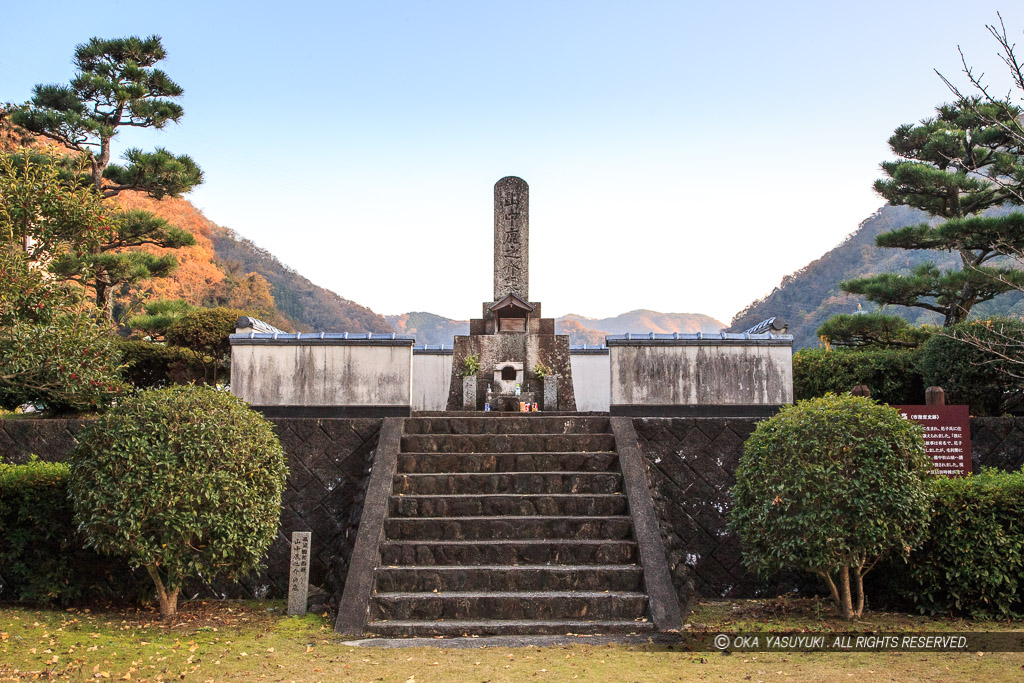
(328, 461)
(690, 464)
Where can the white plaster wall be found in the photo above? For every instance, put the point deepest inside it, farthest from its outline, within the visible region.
(431, 377)
(591, 381)
(733, 374)
(322, 375)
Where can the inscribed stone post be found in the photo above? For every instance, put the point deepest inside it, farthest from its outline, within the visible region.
(511, 238)
(298, 580)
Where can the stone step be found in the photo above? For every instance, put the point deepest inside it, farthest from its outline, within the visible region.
(520, 552)
(532, 424)
(615, 577)
(497, 627)
(499, 528)
(506, 443)
(510, 605)
(514, 482)
(508, 462)
(482, 504)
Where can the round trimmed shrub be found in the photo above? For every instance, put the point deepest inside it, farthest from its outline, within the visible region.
(181, 481)
(831, 485)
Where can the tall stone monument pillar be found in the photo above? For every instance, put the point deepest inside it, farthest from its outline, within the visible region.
(511, 238)
(514, 345)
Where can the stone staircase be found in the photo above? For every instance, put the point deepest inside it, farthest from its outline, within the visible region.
(507, 525)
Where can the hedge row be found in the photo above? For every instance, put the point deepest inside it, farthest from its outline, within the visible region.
(891, 374)
(42, 558)
(973, 560)
(969, 374)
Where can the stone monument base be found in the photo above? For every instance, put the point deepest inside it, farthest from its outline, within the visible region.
(494, 349)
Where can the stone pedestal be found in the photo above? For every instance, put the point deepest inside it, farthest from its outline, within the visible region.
(469, 393)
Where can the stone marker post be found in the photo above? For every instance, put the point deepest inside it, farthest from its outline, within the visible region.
(934, 396)
(511, 238)
(550, 392)
(469, 393)
(298, 579)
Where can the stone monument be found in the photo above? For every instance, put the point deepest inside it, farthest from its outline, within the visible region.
(512, 341)
(298, 577)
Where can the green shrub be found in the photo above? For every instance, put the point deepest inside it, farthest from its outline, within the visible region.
(152, 365)
(972, 562)
(970, 374)
(830, 486)
(42, 556)
(891, 374)
(206, 334)
(183, 481)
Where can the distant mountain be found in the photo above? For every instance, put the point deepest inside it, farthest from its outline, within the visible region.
(428, 328)
(312, 307)
(811, 295)
(642, 320)
(578, 334)
(434, 329)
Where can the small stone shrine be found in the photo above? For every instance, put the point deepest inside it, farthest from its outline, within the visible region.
(513, 344)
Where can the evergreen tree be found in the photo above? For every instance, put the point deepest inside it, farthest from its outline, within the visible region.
(876, 330)
(116, 86)
(953, 167)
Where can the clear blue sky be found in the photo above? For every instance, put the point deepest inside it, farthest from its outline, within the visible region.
(681, 156)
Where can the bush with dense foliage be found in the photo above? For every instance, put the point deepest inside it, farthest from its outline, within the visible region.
(183, 481)
(42, 555)
(891, 374)
(972, 562)
(52, 350)
(964, 360)
(205, 333)
(831, 485)
(151, 365)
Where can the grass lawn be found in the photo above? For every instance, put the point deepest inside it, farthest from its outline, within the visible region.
(233, 640)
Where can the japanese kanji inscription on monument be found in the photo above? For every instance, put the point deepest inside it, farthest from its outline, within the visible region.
(511, 238)
(298, 580)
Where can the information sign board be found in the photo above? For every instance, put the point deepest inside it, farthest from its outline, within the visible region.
(947, 436)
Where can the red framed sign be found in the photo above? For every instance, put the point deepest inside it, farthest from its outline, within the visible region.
(947, 436)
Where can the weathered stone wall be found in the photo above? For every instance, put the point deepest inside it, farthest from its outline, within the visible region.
(49, 439)
(997, 442)
(328, 463)
(647, 374)
(305, 372)
(690, 464)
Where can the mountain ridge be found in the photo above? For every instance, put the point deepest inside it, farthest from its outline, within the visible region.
(806, 298)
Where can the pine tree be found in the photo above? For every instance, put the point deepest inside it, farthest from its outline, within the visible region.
(953, 167)
(117, 86)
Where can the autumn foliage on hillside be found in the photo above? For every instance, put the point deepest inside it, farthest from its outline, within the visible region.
(222, 269)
